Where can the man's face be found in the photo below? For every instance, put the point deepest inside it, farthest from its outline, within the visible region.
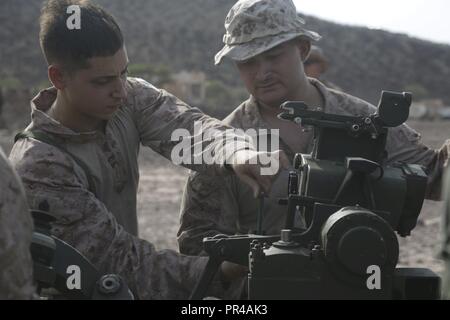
(273, 77)
(99, 90)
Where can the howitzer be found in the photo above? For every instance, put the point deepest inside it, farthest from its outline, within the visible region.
(55, 263)
(352, 204)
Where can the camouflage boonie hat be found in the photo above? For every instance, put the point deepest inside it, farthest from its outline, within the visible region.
(255, 26)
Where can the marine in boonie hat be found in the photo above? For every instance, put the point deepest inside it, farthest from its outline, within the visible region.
(255, 26)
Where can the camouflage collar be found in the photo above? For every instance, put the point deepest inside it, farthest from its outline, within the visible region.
(254, 119)
(252, 116)
(40, 120)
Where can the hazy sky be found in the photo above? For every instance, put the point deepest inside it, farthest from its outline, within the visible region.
(426, 19)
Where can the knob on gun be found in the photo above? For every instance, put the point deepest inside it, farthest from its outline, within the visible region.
(292, 111)
(293, 183)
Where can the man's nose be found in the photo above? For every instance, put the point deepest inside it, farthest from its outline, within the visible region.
(264, 70)
(120, 91)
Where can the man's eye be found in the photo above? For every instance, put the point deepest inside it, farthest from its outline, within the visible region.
(274, 55)
(101, 81)
(246, 62)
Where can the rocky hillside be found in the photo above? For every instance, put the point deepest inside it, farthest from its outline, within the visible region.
(186, 34)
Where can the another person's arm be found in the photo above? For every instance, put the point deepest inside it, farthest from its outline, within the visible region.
(16, 228)
(160, 117)
(445, 247)
(84, 222)
(404, 145)
(209, 207)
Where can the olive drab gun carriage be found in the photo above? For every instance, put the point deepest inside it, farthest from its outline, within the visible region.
(61, 272)
(353, 204)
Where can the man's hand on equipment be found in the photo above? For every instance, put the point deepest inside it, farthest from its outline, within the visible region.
(258, 169)
(231, 271)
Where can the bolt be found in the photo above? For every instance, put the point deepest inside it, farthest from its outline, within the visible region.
(109, 284)
(286, 235)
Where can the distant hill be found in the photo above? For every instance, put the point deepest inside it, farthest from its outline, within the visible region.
(186, 34)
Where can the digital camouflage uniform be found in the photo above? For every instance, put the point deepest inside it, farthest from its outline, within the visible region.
(215, 205)
(16, 227)
(102, 223)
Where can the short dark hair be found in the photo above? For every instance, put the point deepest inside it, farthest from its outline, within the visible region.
(99, 35)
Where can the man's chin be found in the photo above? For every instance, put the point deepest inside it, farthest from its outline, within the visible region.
(272, 99)
(105, 116)
(272, 103)
(108, 117)
(108, 113)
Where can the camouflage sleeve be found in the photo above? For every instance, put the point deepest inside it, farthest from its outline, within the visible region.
(16, 227)
(445, 249)
(209, 207)
(84, 222)
(162, 120)
(404, 145)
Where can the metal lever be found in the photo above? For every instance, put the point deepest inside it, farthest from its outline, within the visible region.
(260, 218)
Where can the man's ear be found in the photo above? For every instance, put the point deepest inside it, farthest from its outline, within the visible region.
(56, 76)
(304, 46)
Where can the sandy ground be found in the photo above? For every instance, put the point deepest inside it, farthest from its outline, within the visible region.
(162, 184)
(161, 187)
